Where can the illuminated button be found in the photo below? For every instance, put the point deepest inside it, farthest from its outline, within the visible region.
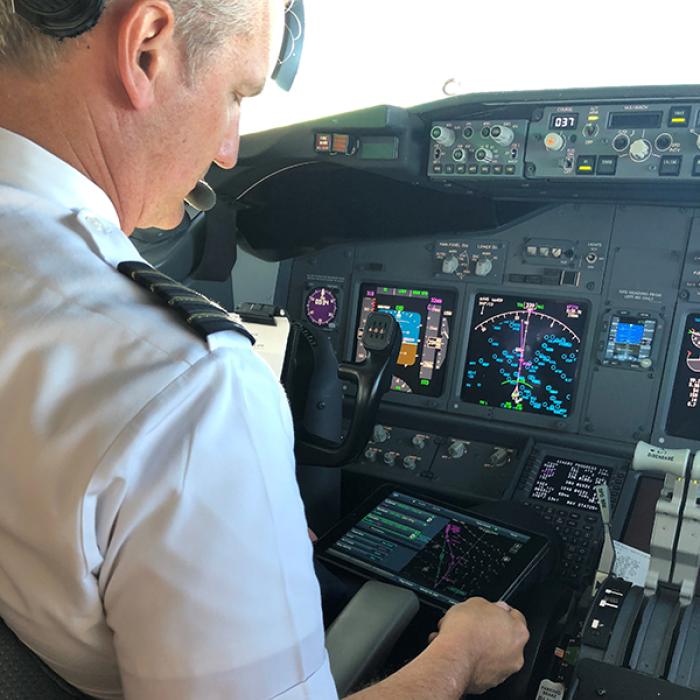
(607, 165)
(449, 169)
(679, 116)
(696, 167)
(585, 165)
(510, 170)
(461, 169)
(342, 144)
(473, 169)
(437, 169)
(322, 143)
(670, 166)
(485, 170)
(498, 170)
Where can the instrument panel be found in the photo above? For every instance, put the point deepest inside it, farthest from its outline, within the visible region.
(645, 141)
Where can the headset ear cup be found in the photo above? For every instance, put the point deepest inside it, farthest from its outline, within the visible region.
(63, 19)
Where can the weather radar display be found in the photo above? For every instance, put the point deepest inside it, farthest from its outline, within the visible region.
(523, 353)
(425, 317)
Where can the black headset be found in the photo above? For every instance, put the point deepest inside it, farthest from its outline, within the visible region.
(63, 19)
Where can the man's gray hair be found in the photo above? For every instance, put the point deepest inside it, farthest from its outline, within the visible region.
(202, 26)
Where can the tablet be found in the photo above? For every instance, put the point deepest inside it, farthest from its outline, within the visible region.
(443, 554)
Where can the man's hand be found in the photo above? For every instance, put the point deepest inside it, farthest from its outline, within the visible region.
(485, 639)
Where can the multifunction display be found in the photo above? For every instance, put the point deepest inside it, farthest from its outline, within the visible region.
(684, 415)
(523, 353)
(568, 482)
(425, 317)
(445, 555)
(629, 341)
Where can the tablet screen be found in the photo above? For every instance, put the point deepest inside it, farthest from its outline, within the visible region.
(444, 555)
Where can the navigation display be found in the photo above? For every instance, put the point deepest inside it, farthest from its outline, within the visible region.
(568, 482)
(523, 353)
(629, 341)
(684, 415)
(425, 317)
(440, 553)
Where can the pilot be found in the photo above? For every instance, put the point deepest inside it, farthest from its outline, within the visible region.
(153, 542)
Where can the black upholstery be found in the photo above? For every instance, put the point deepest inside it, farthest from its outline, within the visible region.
(23, 676)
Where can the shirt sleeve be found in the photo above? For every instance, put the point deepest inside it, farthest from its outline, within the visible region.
(207, 577)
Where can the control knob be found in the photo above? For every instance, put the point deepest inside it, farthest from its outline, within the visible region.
(410, 461)
(483, 267)
(418, 441)
(390, 458)
(484, 155)
(450, 264)
(502, 135)
(554, 141)
(380, 434)
(371, 454)
(443, 135)
(457, 449)
(499, 456)
(620, 142)
(640, 150)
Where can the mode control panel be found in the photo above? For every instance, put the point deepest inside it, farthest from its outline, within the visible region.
(468, 467)
(477, 148)
(468, 258)
(621, 141)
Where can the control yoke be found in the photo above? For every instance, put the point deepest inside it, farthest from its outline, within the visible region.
(314, 381)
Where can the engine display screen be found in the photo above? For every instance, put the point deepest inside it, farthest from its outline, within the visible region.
(523, 353)
(425, 317)
(684, 412)
(629, 340)
(563, 121)
(567, 482)
(444, 555)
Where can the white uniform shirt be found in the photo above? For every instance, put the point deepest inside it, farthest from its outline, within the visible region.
(152, 538)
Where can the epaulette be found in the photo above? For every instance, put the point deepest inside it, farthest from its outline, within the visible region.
(203, 315)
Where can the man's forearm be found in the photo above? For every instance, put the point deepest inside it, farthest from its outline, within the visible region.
(433, 675)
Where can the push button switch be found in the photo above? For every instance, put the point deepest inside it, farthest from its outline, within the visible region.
(585, 165)
(670, 166)
(607, 165)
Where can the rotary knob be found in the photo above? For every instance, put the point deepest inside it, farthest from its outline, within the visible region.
(483, 267)
(554, 141)
(443, 135)
(484, 155)
(450, 264)
(390, 458)
(410, 461)
(499, 456)
(457, 449)
(640, 150)
(502, 135)
(380, 434)
(418, 441)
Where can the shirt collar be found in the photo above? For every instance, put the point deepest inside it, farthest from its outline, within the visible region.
(29, 167)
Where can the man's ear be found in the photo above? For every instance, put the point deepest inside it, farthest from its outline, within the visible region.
(145, 45)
